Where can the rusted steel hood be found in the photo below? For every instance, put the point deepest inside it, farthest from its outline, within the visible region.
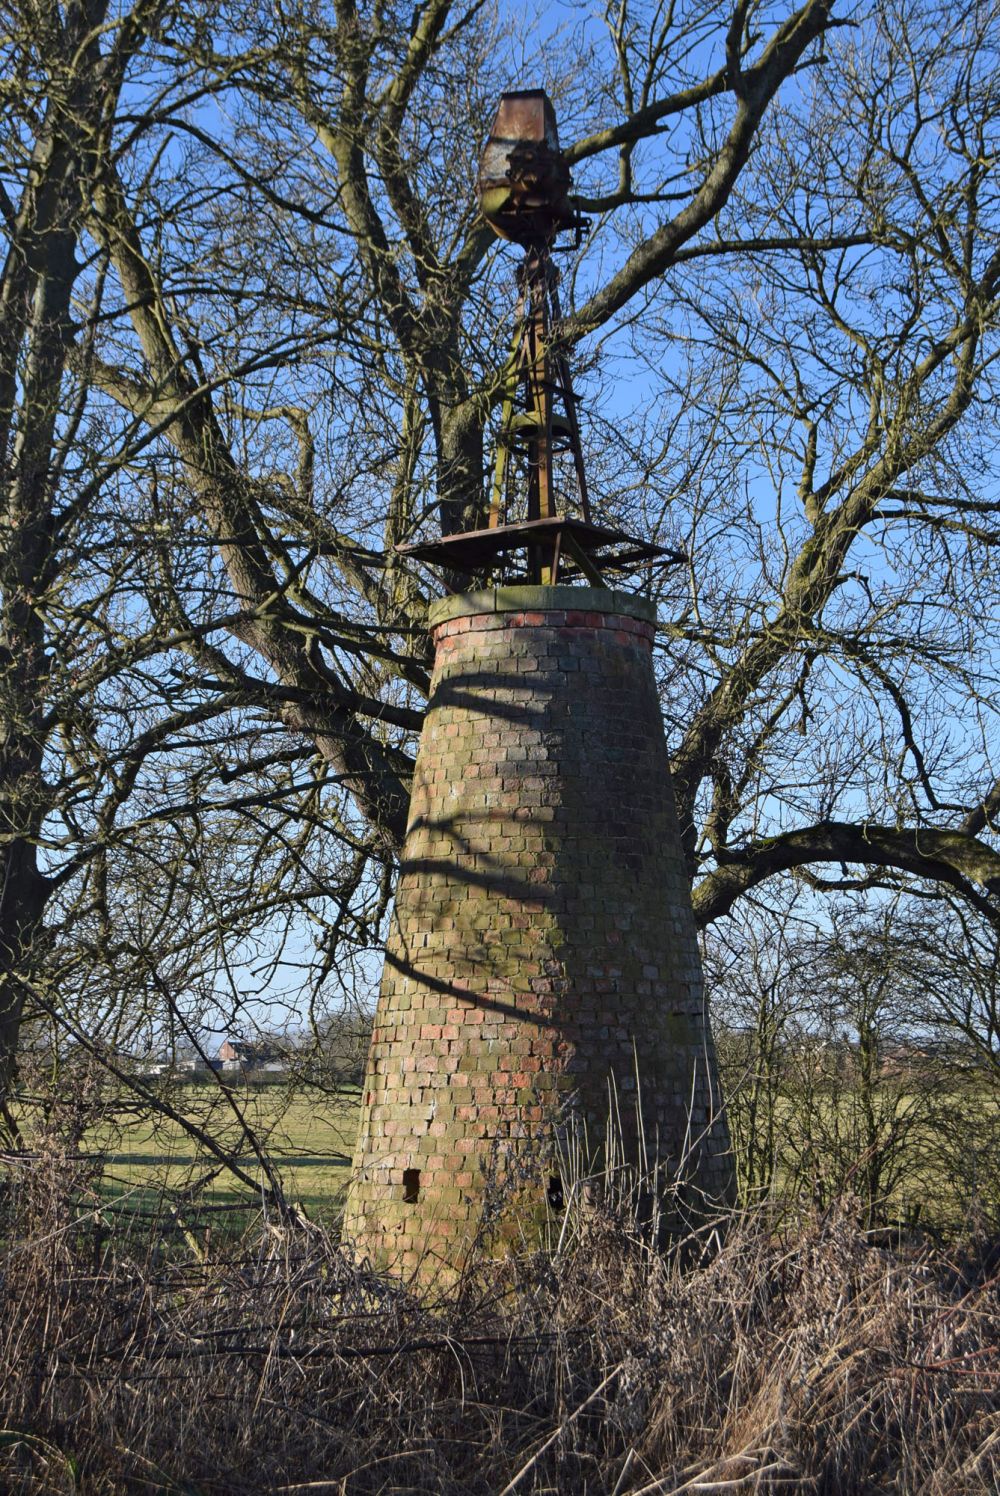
(523, 180)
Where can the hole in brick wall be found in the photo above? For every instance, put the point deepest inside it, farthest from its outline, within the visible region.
(554, 1192)
(411, 1186)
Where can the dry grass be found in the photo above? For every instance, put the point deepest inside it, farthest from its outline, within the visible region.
(814, 1360)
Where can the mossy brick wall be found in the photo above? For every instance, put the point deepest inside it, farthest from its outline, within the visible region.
(542, 954)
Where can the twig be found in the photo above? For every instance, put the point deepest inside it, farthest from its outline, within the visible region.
(512, 1484)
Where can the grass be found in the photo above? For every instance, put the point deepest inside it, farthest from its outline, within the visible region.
(805, 1359)
(309, 1134)
(788, 1351)
(309, 1137)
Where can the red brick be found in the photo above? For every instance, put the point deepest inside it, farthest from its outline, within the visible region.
(559, 905)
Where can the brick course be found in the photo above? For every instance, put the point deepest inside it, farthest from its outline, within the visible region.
(542, 958)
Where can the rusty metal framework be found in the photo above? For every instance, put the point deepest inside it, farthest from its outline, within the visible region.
(524, 186)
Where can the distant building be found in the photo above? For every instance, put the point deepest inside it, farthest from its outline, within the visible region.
(244, 1054)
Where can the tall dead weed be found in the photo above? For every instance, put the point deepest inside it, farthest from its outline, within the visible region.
(814, 1359)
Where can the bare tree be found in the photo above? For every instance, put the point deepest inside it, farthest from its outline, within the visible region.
(284, 355)
(159, 827)
(834, 1082)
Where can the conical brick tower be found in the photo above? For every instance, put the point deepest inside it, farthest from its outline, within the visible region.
(542, 976)
(541, 1027)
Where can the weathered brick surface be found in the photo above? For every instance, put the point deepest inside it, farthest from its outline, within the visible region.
(542, 970)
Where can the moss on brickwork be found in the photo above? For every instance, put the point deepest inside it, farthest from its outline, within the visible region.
(542, 952)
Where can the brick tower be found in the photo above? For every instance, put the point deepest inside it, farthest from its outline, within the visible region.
(542, 972)
(541, 1025)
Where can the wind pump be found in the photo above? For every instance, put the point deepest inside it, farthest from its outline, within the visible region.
(540, 530)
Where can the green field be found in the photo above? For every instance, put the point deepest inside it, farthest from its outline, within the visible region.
(308, 1137)
(150, 1166)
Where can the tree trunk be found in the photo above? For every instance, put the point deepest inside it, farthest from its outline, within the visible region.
(36, 333)
(23, 894)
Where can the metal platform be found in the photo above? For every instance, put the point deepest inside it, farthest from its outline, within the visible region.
(558, 544)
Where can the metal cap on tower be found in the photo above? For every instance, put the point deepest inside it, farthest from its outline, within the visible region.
(524, 181)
